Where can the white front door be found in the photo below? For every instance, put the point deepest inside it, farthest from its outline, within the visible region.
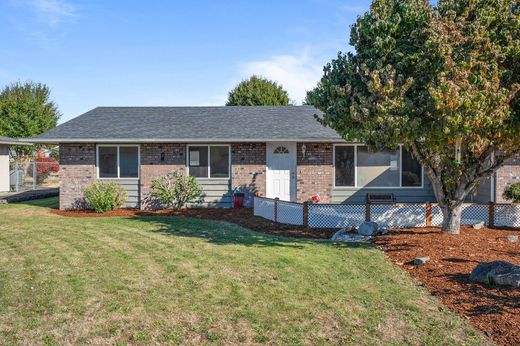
(281, 167)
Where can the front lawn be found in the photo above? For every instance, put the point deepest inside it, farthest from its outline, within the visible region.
(174, 279)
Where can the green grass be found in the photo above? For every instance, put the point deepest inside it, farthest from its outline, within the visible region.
(178, 280)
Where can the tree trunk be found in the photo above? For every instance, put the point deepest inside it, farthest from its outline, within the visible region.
(452, 216)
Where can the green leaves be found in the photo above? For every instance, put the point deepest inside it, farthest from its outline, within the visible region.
(176, 190)
(26, 110)
(423, 76)
(257, 91)
(105, 196)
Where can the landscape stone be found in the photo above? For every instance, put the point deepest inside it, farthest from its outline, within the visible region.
(497, 273)
(512, 238)
(421, 260)
(368, 228)
(479, 225)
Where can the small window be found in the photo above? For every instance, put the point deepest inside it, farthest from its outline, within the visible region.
(198, 161)
(107, 162)
(377, 168)
(345, 166)
(411, 170)
(281, 150)
(128, 162)
(208, 161)
(118, 161)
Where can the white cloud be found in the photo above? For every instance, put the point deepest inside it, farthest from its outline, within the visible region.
(53, 12)
(296, 73)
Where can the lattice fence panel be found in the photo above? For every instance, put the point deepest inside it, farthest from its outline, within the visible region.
(395, 215)
(437, 217)
(264, 207)
(507, 215)
(474, 213)
(291, 213)
(336, 215)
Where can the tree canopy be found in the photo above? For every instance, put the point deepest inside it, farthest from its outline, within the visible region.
(26, 110)
(258, 91)
(435, 79)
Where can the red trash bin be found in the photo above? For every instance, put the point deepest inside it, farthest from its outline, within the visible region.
(238, 200)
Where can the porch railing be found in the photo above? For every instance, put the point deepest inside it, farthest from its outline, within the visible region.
(397, 215)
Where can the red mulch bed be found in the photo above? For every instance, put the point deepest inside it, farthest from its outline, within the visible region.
(494, 310)
(243, 217)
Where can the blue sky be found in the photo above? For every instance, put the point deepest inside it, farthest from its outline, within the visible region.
(143, 53)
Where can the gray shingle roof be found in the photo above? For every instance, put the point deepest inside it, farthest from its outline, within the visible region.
(182, 124)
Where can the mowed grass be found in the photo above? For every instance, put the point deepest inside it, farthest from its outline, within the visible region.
(177, 280)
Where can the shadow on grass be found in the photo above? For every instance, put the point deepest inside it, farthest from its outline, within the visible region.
(223, 233)
(47, 202)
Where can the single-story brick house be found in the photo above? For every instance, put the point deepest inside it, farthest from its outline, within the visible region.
(268, 151)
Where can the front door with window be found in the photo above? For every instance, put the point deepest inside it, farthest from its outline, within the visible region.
(281, 167)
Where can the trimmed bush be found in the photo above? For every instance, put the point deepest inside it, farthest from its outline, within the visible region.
(175, 190)
(105, 196)
(513, 192)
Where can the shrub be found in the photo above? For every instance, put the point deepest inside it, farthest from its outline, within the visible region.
(513, 192)
(105, 196)
(176, 189)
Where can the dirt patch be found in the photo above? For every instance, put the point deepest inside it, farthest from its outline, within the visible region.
(243, 217)
(493, 310)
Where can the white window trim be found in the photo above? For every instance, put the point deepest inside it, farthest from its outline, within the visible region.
(118, 168)
(356, 187)
(209, 159)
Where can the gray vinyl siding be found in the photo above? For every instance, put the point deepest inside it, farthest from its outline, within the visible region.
(483, 193)
(131, 186)
(216, 193)
(402, 195)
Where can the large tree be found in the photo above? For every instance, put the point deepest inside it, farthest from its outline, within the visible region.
(26, 110)
(258, 91)
(437, 79)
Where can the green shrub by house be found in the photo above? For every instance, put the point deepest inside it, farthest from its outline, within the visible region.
(513, 192)
(105, 196)
(175, 190)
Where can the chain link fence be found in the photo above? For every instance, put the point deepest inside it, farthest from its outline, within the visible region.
(25, 176)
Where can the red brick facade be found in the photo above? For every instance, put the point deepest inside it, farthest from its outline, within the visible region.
(77, 171)
(507, 175)
(248, 169)
(158, 160)
(314, 171)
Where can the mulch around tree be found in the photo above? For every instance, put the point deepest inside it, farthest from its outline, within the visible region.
(495, 310)
(243, 217)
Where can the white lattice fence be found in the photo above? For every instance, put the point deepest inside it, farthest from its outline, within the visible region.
(507, 215)
(291, 213)
(398, 215)
(336, 215)
(437, 217)
(264, 207)
(473, 213)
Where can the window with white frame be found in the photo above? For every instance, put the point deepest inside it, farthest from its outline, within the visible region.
(208, 161)
(357, 166)
(118, 161)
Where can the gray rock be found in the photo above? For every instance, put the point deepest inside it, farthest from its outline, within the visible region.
(497, 273)
(346, 234)
(421, 260)
(368, 228)
(512, 238)
(479, 225)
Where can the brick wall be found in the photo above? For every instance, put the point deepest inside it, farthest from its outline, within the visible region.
(314, 171)
(507, 175)
(158, 160)
(248, 169)
(77, 171)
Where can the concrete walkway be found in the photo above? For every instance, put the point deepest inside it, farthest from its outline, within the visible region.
(11, 197)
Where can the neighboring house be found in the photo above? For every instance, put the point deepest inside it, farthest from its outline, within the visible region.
(5, 143)
(268, 151)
